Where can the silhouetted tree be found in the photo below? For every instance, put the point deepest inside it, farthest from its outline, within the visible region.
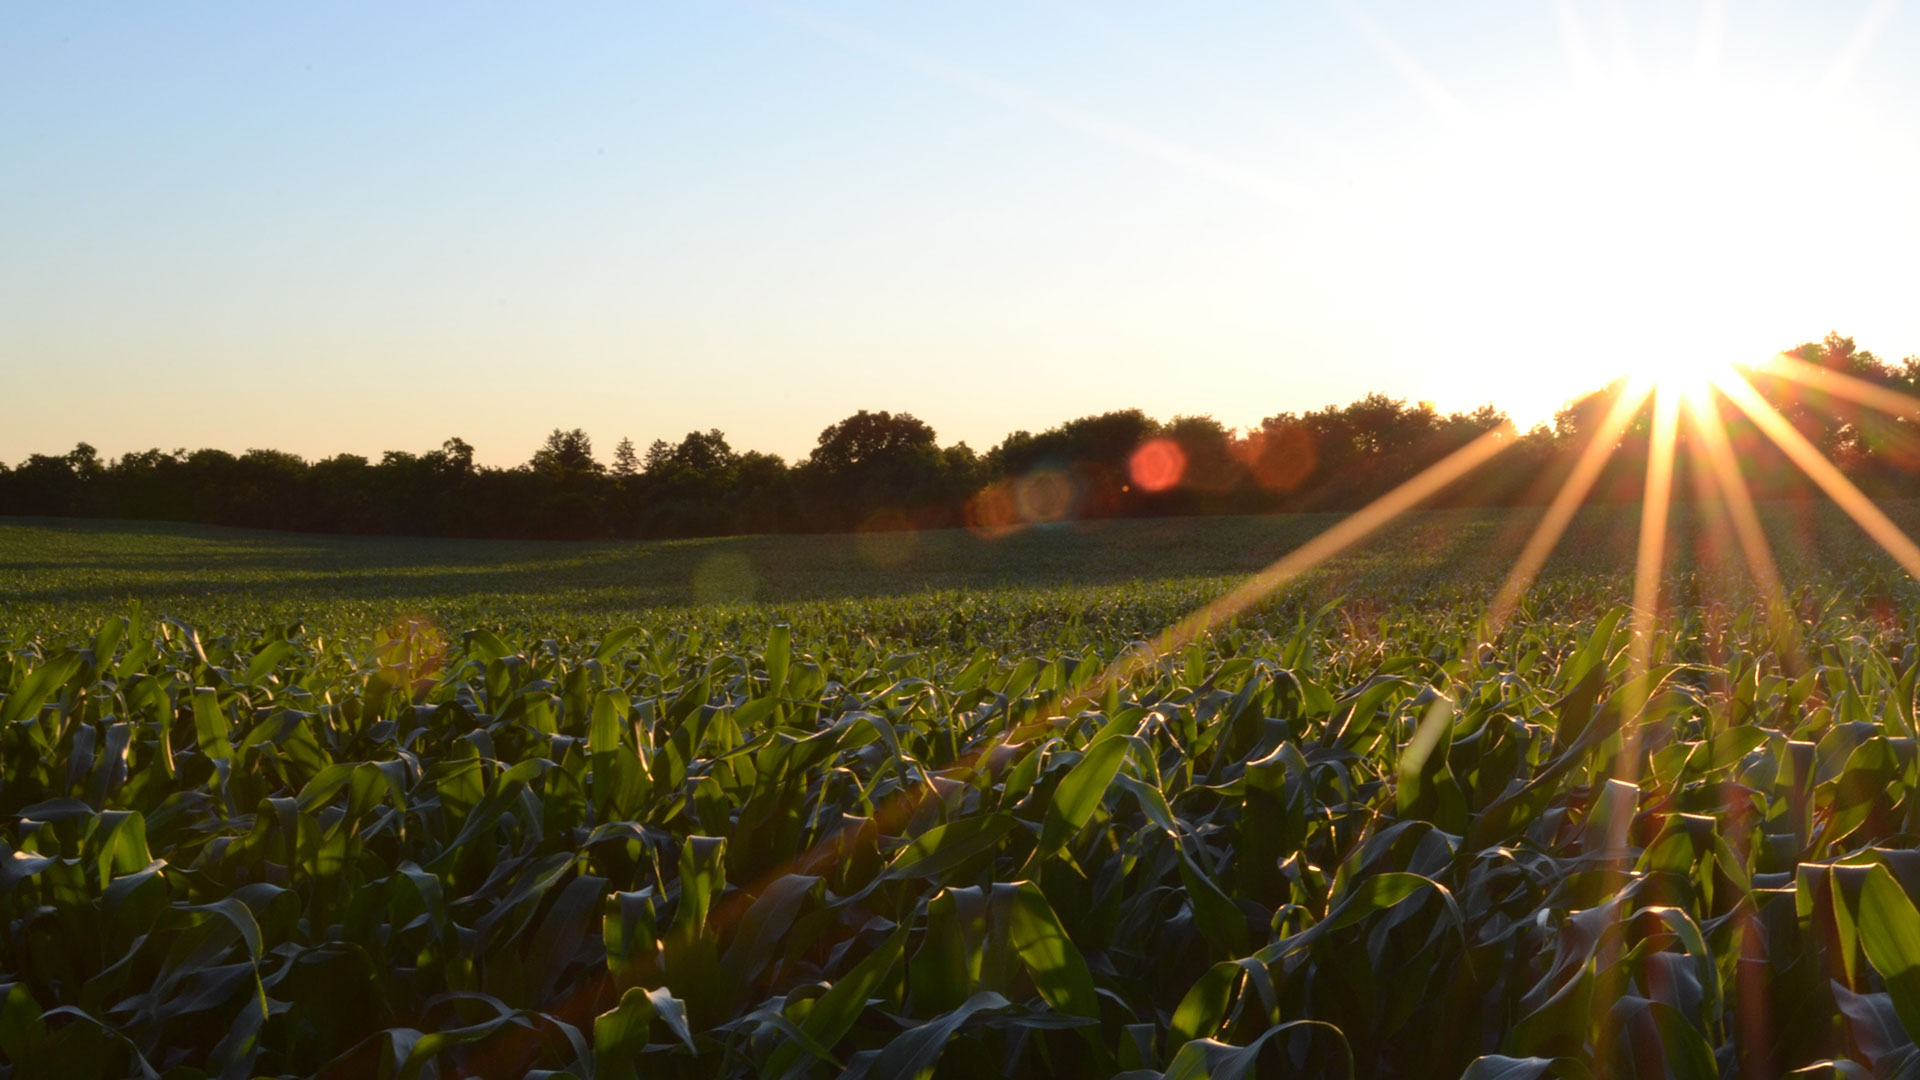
(625, 461)
(888, 470)
(688, 488)
(566, 454)
(880, 469)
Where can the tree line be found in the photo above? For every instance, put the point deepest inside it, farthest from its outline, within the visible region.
(886, 470)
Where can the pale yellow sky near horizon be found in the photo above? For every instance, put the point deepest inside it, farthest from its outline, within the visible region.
(379, 229)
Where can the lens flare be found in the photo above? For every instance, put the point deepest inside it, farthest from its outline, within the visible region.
(1044, 496)
(991, 514)
(1157, 465)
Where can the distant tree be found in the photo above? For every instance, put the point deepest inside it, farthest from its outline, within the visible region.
(888, 470)
(45, 484)
(872, 462)
(702, 451)
(85, 462)
(1101, 442)
(1845, 431)
(1905, 376)
(454, 456)
(569, 490)
(762, 494)
(1209, 466)
(1095, 450)
(868, 437)
(625, 462)
(689, 488)
(1483, 419)
(1577, 417)
(566, 454)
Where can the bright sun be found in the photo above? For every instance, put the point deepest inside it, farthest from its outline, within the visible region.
(1670, 219)
(1683, 373)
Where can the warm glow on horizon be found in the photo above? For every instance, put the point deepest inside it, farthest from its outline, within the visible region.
(1276, 208)
(1686, 376)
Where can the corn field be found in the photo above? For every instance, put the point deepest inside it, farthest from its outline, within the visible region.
(1305, 844)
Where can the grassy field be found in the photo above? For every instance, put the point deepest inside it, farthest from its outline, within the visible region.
(873, 806)
(212, 572)
(70, 574)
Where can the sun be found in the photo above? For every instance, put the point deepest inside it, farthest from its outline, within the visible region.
(1687, 374)
(1647, 214)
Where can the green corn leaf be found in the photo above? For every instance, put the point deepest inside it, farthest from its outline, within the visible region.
(45, 680)
(1495, 1067)
(1207, 1059)
(938, 850)
(836, 1011)
(210, 724)
(913, 1053)
(620, 1034)
(1889, 929)
(1078, 795)
(779, 653)
(1058, 969)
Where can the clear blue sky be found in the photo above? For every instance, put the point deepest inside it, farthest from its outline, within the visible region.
(354, 228)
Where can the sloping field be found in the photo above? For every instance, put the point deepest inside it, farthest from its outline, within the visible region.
(839, 808)
(56, 572)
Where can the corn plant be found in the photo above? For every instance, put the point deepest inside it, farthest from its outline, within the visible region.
(1364, 842)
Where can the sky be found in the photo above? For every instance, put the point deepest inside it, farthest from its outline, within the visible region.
(349, 228)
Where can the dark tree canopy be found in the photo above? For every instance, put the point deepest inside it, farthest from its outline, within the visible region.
(868, 437)
(566, 454)
(888, 470)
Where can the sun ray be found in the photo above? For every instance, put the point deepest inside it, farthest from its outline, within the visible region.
(1715, 551)
(892, 812)
(1405, 65)
(1713, 28)
(1708, 433)
(1553, 524)
(1725, 489)
(1155, 51)
(1575, 43)
(1841, 490)
(1840, 384)
(1145, 143)
(1857, 45)
(1351, 529)
(1656, 505)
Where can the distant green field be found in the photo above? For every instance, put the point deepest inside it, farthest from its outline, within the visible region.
(58, 574)
(800, 807)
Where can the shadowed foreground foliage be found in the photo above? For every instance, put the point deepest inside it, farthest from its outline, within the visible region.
(700, 851)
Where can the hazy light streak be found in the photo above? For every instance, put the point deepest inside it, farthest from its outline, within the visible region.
(1655, 506)
(1713, 26)
(1843, 385)
(1710, 440)
(1841, 490)
(1145, 143)
(1840, 72)
(1210, 78)
(1715, 541)
(1403, 63)
(899, 807)
(1573, 38)
(1350, 530)
(1553, 524)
